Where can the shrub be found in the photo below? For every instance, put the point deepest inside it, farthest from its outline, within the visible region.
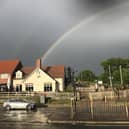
(69, 88)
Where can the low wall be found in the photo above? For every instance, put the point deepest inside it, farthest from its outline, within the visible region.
(62, 96)
(124, 94)
(56, 96)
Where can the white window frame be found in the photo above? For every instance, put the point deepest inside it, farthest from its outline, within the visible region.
(48, 87)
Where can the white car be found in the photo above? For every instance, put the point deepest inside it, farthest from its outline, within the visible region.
(18, 104)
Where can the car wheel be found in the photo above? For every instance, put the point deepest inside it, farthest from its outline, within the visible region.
(28, 107)
(8, 107)
(35, 107)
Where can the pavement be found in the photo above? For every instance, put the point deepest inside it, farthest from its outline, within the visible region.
(58, 113)
(101, 113)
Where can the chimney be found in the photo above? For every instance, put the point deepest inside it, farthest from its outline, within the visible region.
(38, 63)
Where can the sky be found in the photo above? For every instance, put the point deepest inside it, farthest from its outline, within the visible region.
(76, 33)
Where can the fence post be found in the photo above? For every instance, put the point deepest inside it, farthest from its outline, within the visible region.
(126, 110)
(91, 107)
(72, 110)
(105, 99)
(42, 99)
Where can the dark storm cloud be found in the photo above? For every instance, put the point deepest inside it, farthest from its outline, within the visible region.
(104, 37)
(28, 28)
(102, 2)
(98, 3)
(38, 24)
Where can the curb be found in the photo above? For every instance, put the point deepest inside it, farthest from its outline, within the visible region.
(90, 122)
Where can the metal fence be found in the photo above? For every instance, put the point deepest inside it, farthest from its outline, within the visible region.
(109, 111)
(102, 111)
(110, 95)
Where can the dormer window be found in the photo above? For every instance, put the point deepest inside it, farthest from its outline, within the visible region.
(19, 74)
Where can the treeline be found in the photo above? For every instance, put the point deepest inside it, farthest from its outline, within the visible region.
(115, 71)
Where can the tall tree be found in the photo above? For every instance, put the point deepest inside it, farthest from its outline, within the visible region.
(86, 75)
(68, 75)
(115, 64)
(125, 76)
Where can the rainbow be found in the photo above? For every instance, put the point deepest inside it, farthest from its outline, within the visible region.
(85, 21)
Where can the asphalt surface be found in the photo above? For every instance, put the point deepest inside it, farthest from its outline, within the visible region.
(100, 112)
(21, 119)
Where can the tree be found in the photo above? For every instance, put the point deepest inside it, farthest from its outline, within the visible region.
(125, 76)
(86, 75)
(68, 75)
(115, 64)
(104, 77)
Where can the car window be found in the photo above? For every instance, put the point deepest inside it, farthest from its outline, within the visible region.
(12, 100)
(22, 101)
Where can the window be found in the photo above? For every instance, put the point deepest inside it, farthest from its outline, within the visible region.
(3, 88)
(4, 76)
(29, 87)
(18, 74)
(47, 87)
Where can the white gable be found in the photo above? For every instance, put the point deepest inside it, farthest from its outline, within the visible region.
(39, 74)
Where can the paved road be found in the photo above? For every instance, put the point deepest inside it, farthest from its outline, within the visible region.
(20, 119)
(101, 112)
(21, 116)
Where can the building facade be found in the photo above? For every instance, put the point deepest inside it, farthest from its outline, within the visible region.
(7, 73)
(38, 78)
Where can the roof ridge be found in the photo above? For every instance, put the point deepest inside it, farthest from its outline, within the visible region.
(9, 60)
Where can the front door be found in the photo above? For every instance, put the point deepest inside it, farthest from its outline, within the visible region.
(19, 88)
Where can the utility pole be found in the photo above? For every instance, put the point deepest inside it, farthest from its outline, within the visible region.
(74, 88)
(110, 79)
(121, 76)
(110, 75)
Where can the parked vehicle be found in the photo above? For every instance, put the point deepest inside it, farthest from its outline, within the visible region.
(18, 104)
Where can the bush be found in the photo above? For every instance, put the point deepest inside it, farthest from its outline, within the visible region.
(69, 88)
(60, 101)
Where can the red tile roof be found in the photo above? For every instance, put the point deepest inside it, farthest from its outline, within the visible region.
(27, 70)
(54, 71)
(8, 66)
